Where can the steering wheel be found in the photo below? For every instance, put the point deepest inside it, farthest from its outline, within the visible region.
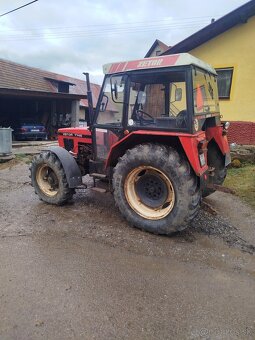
(141, 113)
(181, 119)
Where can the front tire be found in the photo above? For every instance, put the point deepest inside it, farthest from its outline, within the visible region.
(155, 189)
(49, 180)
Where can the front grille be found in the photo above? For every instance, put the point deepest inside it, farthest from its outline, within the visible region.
(68, 143)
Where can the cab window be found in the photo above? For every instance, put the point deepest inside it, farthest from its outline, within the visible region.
(158, 100)
(111, 104)
(205, 92)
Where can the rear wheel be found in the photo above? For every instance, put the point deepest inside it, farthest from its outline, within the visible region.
(155, 189)
(49, 180)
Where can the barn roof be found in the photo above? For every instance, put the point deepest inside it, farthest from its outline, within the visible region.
(17, 77)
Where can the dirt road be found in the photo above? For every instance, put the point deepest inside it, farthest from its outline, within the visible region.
(81, 272)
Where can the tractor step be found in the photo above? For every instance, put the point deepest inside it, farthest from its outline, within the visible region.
(101, 190)
(99, 176)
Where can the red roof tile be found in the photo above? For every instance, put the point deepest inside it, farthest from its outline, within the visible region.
(20, 77)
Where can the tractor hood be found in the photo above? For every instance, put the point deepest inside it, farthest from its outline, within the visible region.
(80, 132)
(71, 138)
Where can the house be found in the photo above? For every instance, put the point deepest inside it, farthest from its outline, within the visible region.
(228, 44)
(157, 48)
(28, 93)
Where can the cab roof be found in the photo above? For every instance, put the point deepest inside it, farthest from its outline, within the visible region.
(182, 59)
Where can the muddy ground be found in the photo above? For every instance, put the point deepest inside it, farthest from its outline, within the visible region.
(81, 272)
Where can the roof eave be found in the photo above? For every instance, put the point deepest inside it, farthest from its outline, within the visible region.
(238, 16)
(40, 94)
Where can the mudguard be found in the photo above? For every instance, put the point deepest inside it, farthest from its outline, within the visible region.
(221, 140)
(72, 171)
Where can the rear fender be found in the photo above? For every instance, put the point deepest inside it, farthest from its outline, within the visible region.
(220, 138)
(189, 144)
(216, 133)
(190, 147)
(72, 171)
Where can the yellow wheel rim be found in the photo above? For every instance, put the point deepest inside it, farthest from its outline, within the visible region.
(149, 192)
(47, 180)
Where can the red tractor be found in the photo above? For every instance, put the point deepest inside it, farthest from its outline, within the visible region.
(155, 136)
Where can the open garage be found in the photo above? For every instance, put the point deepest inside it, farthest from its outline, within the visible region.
(31, 95)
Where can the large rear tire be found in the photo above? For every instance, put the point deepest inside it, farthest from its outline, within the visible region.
(49, 180)
(155, 189)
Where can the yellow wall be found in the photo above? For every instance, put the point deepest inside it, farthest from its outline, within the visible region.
(234, 48)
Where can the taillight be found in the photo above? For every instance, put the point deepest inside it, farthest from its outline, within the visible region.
(226, 126)
(43, 129)
(23, 130)
(202, 148)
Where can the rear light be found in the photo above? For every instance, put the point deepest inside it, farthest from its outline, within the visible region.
(202, 148)
(43, 130)
(23, 130)
(226, 125)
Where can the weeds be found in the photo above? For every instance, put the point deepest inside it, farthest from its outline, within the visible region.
(242, 181)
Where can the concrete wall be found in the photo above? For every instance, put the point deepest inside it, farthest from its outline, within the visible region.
(75, 112)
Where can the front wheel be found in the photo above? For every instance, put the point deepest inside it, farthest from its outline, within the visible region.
(155, 189)
(49, 180)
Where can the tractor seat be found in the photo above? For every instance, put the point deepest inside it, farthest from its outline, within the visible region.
(182, 119)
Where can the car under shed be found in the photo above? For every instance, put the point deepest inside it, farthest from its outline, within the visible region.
(31, 94)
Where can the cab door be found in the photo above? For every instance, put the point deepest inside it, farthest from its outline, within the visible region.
(108, 126)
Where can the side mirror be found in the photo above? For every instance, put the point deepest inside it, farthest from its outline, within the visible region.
(104, 103)
(141, 98)
(178, 94)
(115, 90)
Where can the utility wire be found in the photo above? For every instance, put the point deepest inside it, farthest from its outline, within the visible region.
(75, 30)
(1, 15)
(163, 20)
(94, 30)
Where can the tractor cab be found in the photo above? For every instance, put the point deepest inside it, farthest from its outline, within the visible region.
(175, 93)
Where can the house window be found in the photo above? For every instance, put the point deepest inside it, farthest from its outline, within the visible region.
(224, 82)
(63, 87)
(158, 52)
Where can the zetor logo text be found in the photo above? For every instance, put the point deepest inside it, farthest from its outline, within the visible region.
(148, 63)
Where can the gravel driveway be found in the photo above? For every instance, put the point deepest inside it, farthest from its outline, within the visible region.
(81, 272)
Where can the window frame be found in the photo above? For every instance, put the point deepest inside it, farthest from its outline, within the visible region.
(189, 98)
(230, 68)
(188, 86)
(97, 111)
(197, 68)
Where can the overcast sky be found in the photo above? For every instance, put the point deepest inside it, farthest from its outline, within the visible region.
(74, 36)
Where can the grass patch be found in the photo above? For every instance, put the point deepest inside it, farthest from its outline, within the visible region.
(20, 158)
(242, 181)
(24, 158)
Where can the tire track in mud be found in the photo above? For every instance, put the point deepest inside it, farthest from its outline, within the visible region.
(96, 217)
